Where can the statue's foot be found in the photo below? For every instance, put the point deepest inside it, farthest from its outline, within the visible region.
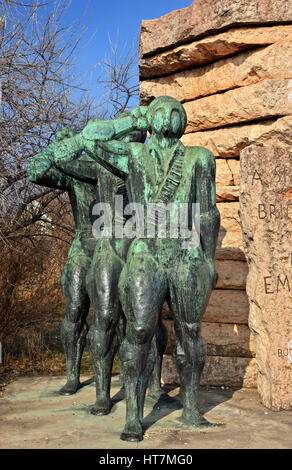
(155, 393)
(132, 433)
(70, 388)
(197, 420)
(101, 407)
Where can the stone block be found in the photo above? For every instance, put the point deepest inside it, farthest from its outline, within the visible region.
(208, 17)
(229, 141)
(218, 371)
(231, 274)
(241, 70)
(212, 48)
(266, 99)
(266, 217)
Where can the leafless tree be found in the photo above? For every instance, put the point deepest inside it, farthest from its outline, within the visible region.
(39, 94)
(37, 55)
(120, 77)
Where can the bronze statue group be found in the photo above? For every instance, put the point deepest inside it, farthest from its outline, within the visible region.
(128, 278)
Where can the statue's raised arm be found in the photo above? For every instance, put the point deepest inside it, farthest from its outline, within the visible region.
(103, 140)
(41, 168)
(111, 154)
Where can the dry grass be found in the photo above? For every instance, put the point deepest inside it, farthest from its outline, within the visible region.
(49, 362)
(47, 358)
(31, 311)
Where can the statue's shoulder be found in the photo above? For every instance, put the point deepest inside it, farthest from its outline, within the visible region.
(137, 149)
(199, 156)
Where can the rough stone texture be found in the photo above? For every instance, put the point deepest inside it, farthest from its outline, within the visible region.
(206, 17)
(266, 99)
(231, 274)
(234, 168)
(227, 306)
(266, 216)
(218, 371)
(227, 339)
(212, 48)
(221, 339)
(227, 188)
(229, 141)
(229, 245)
(241, 70)
(227, 172)
(227, 193)
(236, 87)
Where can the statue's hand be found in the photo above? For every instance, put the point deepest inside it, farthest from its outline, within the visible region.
(67, 149)
(37, 166)
(139, 113)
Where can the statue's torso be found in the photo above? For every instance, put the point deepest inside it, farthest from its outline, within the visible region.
(176, 183)
(148, 176)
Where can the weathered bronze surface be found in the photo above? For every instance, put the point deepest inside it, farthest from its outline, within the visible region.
(149, 270)
(92, 271)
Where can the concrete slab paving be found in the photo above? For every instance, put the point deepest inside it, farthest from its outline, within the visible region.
(34, 416)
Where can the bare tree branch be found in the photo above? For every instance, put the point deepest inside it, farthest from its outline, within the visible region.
(37, 79)
(120, 78)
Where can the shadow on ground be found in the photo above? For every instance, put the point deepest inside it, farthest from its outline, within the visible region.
(34, 416)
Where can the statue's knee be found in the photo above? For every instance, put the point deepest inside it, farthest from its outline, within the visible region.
(73, 315)
(142, 334)
(107, 318)
(145, 280)
(178, 351)
(95, 343)
(77, 309)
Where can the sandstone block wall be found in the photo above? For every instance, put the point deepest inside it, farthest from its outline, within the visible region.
(229, 63)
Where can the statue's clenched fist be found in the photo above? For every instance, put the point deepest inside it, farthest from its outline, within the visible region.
(139, 113)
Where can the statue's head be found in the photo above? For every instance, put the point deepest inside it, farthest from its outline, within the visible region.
(135, 136)
(166, 117)
(63, 133)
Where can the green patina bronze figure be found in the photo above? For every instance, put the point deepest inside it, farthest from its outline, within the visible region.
(82, 196)
(93, 268)
(161, 172)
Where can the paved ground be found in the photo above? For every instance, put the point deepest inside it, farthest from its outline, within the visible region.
(33, 415)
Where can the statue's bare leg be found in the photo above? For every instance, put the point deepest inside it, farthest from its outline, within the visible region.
(159, 344)
(102, 284)
(142, 290)
(190, 289)
(74, 327)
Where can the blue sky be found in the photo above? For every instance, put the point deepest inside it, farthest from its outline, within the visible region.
(106, 17)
